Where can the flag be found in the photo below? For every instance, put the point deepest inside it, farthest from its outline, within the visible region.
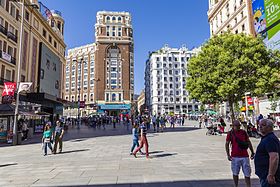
(24, 86)
(46, 13)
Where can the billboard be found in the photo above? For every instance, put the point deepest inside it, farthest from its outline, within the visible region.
(266, 14)
(49, 72)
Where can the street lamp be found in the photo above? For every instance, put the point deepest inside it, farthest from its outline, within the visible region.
(19, 65)
(79, 89)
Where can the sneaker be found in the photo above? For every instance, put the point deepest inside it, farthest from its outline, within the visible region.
(142, 153)
(45, 154)
(131, 153)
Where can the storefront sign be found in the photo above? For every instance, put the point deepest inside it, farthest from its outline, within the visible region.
(266, 14)
(8, 92)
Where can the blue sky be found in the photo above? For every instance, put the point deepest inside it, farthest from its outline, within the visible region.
(155, 23)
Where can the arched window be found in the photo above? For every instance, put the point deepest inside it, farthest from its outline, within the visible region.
(113, 97)
(108, 18)
(114, 18)
(119, 19)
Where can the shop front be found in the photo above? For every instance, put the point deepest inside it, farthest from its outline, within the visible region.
(114, 109)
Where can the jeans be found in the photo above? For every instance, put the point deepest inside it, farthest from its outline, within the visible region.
(264, 183)
(46, 145)
(135, 143)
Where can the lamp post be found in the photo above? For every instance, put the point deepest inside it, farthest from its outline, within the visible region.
(19, 66)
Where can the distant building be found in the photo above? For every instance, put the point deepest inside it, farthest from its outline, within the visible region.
(79, 74)
(141, 102)
(232, 15)
(165, 81)
(114, 62)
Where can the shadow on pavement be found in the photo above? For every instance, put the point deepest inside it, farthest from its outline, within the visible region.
(74, 151)
(164, 155)
(5, 165)
(190, 183)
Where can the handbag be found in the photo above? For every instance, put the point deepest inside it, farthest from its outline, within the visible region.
(241, 144)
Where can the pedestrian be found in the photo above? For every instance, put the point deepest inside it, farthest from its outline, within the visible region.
(114, 122)
(154, 119)
(239, 156)
(47, 138)
(24, 130)
(58, 135)
(135, 138)
(267, 165)
(143, 140)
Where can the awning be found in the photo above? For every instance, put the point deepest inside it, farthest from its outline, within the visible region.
(115, 107)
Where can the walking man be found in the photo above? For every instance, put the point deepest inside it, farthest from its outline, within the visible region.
(58, 135)
(267, 156)
(239, 156)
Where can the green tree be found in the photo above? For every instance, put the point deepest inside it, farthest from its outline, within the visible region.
(228, 66)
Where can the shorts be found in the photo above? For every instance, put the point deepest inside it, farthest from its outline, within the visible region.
(243, 162)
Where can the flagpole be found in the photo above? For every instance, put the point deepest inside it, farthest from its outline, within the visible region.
(15, 138)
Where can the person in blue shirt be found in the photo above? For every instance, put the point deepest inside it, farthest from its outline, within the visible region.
(267, 164)
(135, 138)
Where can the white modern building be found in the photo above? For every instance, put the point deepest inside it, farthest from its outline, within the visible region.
(165, 84)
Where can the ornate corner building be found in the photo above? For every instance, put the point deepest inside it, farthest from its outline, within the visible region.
(114, 62)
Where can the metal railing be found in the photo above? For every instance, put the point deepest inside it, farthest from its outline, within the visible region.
(12, 36)
(3, 29)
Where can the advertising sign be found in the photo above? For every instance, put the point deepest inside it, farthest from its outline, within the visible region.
(50, 72)
(8, 92)
(266, 15)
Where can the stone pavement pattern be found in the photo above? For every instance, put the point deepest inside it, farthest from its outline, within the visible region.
(181, 157)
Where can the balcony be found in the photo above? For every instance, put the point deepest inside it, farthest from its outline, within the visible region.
(7, 57)
(2, 81)
(3, 29)
(12, 36)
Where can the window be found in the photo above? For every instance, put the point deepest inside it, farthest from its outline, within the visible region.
(165, 85)
(176, 65)
(107, 97)
(119, 19)
(114, 75)
(170, 79)
(158, 99)
(13, 10)
(158, 65)
(108, 34)
(2, 3)
(113, 81)
(171, 86)
(170, 72)
(236, 32)
(170, 58)
(182, 59)
(164, 59)
(243, 27)
(176, 59)
(177, 93)
(114, 18)
(44, 33)
(50, 39)
(55, 44)
(113, 97)
(108, 18)
(165, 78)
(26, 15)
(120, 96)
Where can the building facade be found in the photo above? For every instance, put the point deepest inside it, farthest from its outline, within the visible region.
(165, 82)
(79, 77)
(230, 15)
(42, 36)
(141, 102)
(114, 62)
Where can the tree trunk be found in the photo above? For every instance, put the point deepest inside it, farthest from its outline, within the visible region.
(230, 101)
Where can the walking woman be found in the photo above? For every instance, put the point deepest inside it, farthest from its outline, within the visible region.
(143, 140)
(135, 138)
(46, 140)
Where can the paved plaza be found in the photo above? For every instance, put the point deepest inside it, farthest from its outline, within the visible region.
(183, 156)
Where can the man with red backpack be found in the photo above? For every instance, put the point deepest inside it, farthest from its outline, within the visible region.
(239, 157)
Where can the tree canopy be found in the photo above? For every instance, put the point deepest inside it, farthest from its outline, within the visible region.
(229, 65)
